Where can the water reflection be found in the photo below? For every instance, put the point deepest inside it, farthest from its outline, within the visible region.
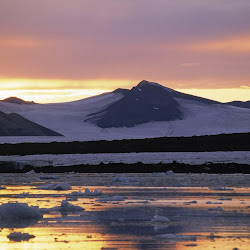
(128, 224)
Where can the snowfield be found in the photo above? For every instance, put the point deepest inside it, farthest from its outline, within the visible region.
(194, 158)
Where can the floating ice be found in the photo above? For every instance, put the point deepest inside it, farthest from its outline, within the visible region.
(110, 198)
(176, 237)
(124, 179)
(222, 189)
(15, 211)
(217, 209)
(67, 207)
(158, 218)
(31, 172)
(22, 195)
(210, 202)
(20, 236)
(170, 172)
(96, 192)
(56, 186)
(49, 177)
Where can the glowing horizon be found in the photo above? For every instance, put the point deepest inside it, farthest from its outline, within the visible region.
(69, 90)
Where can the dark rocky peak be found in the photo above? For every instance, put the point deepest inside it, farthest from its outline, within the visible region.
(16, 100)
(121, 91)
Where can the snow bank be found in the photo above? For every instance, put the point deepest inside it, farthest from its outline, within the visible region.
(20, 237)
(56, 186)
(193, 158)
(176, 237)
(158, 218)
(15, 211)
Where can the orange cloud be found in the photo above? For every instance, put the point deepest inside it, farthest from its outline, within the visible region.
(233, 44)
(22, 42)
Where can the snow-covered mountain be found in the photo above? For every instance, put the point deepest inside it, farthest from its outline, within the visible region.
(147, 110)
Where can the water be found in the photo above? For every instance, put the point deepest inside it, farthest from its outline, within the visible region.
(186, 200)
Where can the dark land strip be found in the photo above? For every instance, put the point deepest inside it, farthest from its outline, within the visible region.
(208, 143)
(212, 168)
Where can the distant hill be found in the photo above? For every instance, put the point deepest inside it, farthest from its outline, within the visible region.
(240, 104)
(16, 100)
(15, 125)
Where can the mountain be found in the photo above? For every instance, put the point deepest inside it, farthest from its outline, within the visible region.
(240, 104)
(16, 100)
(144, 103)
(147, 110)
(16, 125)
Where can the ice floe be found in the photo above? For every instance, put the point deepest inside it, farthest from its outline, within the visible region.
(15, 211)
(31, 172)
(110, 198)
(217, 209)
(176, 237)
(22, 195)
(49, 177)
(158, 218)
(20, 236)
(124, 179)
(67, 207)
(96, 192)
(55, 186)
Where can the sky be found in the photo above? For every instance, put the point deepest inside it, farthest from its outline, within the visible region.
(60, 50)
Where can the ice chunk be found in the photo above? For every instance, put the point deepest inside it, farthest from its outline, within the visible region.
(158, 218)
(15, 211)
(125, 179)
(22, 195)
(31, 172)
(110, 198)
(20, 236)
(56, 186)
(170, 172)
(224, 199)
(222, 189)
(96, 192)
(217, 209)
(67, 207)
(176, 237)
(49, 177)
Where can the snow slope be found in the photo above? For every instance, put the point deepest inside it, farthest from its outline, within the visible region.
(199, 117)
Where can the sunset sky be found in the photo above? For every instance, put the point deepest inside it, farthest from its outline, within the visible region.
(61, 50)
